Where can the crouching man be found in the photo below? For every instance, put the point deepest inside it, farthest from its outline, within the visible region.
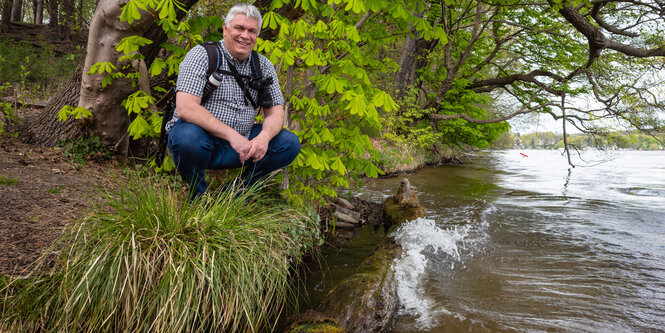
(220, 133)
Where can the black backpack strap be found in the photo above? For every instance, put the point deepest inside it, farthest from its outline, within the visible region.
(214, 63)
(256, 64)
(214, 55)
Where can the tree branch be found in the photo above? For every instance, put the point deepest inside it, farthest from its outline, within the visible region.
(497, 82)
(523, 110)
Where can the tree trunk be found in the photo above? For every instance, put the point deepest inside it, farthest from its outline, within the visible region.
(407, 61)
(67, 17)
(17, 11)
(110, 119)
(6, 15)
(412, 58)
(45, 129)
(52, 13)
(39, 11)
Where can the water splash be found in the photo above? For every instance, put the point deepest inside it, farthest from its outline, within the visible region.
(420, 239)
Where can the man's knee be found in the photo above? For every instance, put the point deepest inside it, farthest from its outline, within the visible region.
(289, 143)
(186, 138)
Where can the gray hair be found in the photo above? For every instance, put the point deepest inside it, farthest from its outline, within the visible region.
(246, 9)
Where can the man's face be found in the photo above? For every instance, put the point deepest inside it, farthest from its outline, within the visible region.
(240, 36)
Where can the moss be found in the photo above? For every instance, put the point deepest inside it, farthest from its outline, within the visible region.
(321, 327)
(397, 214)
(313, 322)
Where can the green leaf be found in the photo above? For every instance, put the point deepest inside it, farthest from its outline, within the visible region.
(156, 121)
(352, 34)
(320, 30)
(306, 4)
(376, 5)
(166, 9)
(64, 113)
(357, 105)
(101, 68)
(326, 135)
(157, 66)
(356, 6)
(276, 4)
(131, 44)
(313, 161)
(271, 20)
(338, 166)
(131, 12)
(289, 58)
(313, 58)
(383, 99)
(421, 24)
(337, 28)
(81, 113)
(300, 29)
(138, 128)
(314, 138)
(106, 80)
(332, 84)
(399, 12)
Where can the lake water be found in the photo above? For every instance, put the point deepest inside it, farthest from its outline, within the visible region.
(514, 243)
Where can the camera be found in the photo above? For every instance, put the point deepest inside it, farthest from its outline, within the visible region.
(262, 86)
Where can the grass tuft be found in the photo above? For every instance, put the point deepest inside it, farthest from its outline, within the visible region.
(148, 260)
(4, 180)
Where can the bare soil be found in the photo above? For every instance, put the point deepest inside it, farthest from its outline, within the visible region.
(41, 192)
(43, 35)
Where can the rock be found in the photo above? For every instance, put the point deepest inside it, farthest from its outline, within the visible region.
(345, 225)
(367, 301)
(403, 206)
(345, 203)
(406, 194)
(347, 215)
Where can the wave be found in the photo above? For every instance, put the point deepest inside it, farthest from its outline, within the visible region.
(420, 239)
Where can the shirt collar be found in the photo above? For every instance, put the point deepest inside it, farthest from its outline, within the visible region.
(229, 56)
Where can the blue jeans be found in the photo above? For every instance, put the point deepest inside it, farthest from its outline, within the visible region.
(194, 151)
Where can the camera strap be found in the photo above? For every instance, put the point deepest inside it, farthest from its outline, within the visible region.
(255, 64)
(241, 82)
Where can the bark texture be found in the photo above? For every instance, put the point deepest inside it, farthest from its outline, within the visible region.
(17, 11)
(45, 129)
(38, 11)
(6, 15)
(53, 13)
(110, 119)
(65, 27)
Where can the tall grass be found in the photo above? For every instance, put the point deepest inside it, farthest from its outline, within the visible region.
(149, 261)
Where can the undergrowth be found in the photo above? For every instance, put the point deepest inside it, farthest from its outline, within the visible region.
(148, 260)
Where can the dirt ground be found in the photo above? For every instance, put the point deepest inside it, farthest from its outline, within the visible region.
(40, 192)
(38, 35)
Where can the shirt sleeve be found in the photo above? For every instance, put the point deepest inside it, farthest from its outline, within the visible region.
(192, 72)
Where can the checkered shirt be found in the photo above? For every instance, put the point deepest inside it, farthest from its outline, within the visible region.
(227, 102)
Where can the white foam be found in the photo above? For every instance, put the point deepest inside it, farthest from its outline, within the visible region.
(418, 237)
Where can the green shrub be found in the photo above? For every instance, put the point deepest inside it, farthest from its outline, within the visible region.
(86, 148)
(148, 261)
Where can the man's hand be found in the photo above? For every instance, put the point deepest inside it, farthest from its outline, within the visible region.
(243, 147)
(259, 148)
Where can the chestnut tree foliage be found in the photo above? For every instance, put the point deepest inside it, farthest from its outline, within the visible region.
(425, 72)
